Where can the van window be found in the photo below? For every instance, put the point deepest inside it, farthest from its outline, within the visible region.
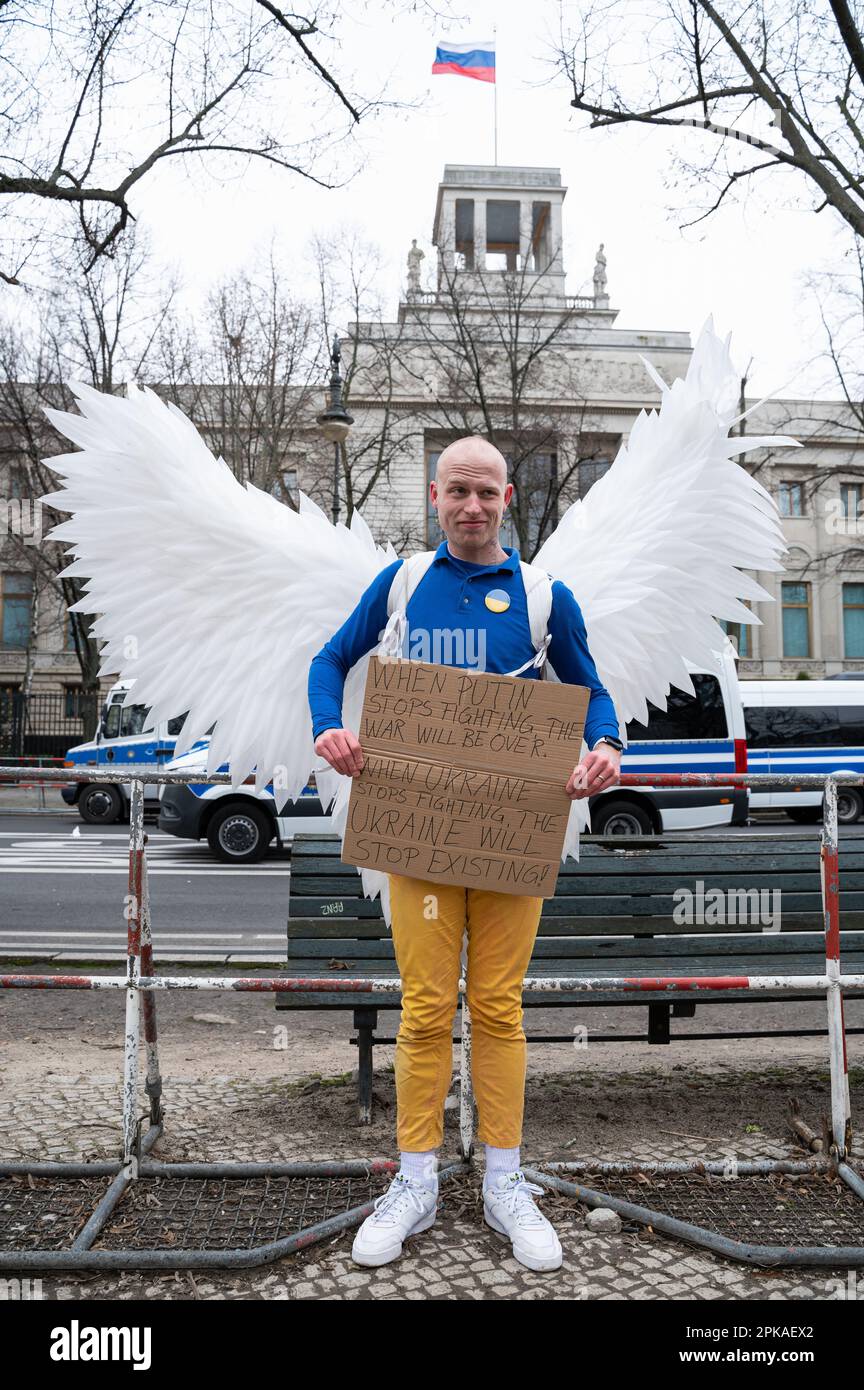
(123, 723)
(175, 725)
(809, 726)
(852, 724)
(687, 716)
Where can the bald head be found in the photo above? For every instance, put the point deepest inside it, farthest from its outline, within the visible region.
(470, 492)
(473, 454)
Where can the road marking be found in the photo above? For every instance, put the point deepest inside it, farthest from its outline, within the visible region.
(113, 936)
(195, 870)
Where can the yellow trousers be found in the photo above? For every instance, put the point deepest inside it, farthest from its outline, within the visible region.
(428, 921)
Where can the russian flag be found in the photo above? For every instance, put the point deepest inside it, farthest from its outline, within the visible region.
(467, 60)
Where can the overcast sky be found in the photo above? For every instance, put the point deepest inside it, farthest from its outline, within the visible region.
(745, 264)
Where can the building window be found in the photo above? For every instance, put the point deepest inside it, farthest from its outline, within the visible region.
(740, 636)
(853, 620)
(502, 235)
(536, 485)
(434, 534)
(284, 486)
(588, 471)
(540, 237)
(850, 494)
(17, 482)
(16, 603)
(791, 499)
(464, 233)
(72, 705)
(796, 619)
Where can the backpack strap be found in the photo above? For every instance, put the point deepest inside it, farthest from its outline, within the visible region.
(405, 581)
(538, 592)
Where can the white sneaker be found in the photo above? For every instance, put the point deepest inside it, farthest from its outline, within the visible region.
(405, 1209)
(509, 1208)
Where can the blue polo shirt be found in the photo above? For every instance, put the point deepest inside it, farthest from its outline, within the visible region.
(468, 615)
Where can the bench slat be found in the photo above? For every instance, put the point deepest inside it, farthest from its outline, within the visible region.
(373, 929)
(794, 944)
(643, 906)
(632, 966)
(588, 883)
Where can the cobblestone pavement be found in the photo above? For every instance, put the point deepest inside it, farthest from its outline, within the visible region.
(458, 1258)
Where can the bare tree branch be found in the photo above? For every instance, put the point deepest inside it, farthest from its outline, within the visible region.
(122, 84)
(803, 68)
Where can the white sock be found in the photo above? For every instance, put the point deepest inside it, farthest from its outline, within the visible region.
(499, 1161)
(422, 1166)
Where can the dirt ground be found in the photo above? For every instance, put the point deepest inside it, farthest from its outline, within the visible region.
(601, 1098)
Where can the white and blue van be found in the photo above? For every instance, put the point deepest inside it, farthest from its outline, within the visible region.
(121, 740)
(805, 726)
(237, 823)
(703, 732)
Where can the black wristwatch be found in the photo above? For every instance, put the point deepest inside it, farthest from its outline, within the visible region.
(613, 742)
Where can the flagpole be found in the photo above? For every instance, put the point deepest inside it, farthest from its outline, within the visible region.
(495, 85)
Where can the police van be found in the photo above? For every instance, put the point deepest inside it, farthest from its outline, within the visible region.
(238, 823)
(703, 732)
(122, 739)
(805, 726)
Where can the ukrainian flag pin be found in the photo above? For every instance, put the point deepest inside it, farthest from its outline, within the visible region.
(498, 600)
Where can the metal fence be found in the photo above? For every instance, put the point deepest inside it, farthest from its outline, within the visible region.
(141, 985)
(45, 723)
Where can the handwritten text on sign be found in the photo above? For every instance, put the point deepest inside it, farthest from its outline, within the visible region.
(464, 775)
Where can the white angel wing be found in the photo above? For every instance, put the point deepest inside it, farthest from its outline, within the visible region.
(654, 553)
(213, 596)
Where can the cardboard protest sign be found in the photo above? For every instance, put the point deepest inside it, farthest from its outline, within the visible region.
(464, 775)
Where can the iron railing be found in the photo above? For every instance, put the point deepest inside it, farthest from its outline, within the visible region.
(141, 985)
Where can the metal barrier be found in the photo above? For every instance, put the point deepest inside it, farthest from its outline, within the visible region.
(25, 764)
(142, 984)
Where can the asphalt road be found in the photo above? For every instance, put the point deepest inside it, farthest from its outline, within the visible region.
(62, 886)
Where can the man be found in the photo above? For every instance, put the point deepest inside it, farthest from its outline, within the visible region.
(470, 493)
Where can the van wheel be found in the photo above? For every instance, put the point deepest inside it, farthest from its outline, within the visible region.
(849, 805)
(240, 834)
(100, 805)
(621, 818)
(804, 815)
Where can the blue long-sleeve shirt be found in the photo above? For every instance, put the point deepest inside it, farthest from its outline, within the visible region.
(452, 599)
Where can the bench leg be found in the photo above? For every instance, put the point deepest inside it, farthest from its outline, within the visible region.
(658, 1023)
(365, 1021)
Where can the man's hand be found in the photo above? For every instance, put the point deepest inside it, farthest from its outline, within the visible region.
(597, 771)
(341, 749)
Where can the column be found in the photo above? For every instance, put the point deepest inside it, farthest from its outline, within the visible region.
(479, 234)
(556, 250)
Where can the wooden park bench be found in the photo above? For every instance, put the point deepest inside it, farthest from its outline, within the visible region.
(613, 914)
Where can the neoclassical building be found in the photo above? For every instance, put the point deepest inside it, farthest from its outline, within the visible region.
(492, 342)
(486, 339)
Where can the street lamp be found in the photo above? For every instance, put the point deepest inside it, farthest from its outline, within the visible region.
(335, 421)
